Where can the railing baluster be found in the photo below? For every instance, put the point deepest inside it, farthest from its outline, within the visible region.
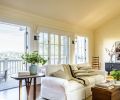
(10, 67)
(13, 66)
(0, 67)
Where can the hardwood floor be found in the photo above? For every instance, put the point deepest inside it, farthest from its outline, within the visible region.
(13, 94)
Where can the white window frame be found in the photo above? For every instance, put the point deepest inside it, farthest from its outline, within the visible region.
(59, 48)
(54, 44)
(81, 50)
(43, 45)
(68, 49)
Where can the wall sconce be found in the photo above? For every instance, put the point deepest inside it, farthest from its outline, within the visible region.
(73, 42)
(36, 37)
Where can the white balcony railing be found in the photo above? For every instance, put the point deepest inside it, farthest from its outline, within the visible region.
(13, 66)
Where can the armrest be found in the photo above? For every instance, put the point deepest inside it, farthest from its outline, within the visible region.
(50, 86)
(53, 82)
(101, 72)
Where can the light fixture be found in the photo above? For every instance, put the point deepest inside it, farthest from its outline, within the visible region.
(36, 37)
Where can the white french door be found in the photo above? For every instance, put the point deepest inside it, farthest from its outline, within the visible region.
(13, 43)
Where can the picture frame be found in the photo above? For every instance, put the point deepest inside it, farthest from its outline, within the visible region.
(117, 51)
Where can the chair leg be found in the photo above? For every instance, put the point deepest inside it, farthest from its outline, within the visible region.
(5, 76)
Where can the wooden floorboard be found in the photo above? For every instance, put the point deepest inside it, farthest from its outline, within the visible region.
(13, 94)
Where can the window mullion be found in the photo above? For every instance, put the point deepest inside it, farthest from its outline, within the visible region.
(49, 49)
(59, 49)
(67, 58)
(43, 44)
(54, 48)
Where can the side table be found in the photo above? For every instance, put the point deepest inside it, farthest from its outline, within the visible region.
(99, 93)
(28, 80)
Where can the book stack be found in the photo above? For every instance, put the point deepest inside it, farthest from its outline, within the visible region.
(105, 85)
(23, 73)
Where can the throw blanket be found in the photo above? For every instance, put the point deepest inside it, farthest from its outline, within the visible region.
(69, 72)
(72, 73)
(82, 73)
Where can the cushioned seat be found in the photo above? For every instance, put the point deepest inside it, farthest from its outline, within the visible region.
(90, 79)
(94, 79)
(98, 78)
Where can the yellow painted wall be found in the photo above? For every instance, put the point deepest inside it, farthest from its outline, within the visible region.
(105, 37)
(10, 15)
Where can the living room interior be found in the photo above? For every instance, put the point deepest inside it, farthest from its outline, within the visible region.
(75, 31)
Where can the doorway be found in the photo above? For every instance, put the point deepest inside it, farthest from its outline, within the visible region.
(13, 43)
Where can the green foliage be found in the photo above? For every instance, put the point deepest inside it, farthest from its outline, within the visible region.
(115, 74)
(33, 58)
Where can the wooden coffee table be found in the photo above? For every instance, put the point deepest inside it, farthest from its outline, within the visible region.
(99, 93)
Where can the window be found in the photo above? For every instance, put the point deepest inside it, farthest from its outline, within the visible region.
(81, 50)
(54, 47)
(43, 45)
(64, 49)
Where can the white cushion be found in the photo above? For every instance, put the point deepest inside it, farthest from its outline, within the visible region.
(85, 74)
(74, 67)
(90, 79)
(98, 78)
(83, 66)
(94, 79)
(60, 74)
(53, 68)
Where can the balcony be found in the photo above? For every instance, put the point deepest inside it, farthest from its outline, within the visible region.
(12, 67)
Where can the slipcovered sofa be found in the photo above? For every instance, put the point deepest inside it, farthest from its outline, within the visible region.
(60, 83)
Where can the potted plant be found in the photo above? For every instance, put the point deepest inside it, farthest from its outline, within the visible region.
(116, 75)
(33, 58)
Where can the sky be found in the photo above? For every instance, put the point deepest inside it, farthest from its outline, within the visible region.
(11, 38)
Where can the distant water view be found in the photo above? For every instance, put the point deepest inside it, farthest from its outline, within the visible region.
(10, 55)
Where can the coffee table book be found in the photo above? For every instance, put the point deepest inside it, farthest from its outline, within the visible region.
(23, 73)
(105, 85)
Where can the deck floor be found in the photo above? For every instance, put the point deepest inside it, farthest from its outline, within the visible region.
(8, 84)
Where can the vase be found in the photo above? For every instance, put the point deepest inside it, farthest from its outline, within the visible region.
(33, 69)
(111, 59)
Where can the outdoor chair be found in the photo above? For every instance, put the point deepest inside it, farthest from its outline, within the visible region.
(3, 76)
